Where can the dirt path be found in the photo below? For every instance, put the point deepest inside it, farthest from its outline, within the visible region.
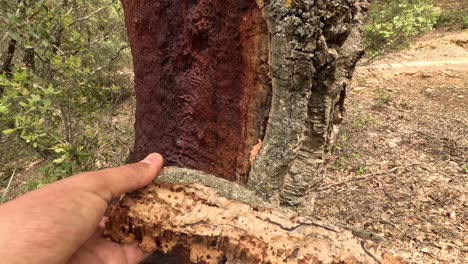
(432, 52)
(402, 157)
(407, 66)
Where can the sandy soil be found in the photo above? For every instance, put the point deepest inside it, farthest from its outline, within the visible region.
(399, 172)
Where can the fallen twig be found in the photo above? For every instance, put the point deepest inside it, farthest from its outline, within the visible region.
(8, 187)
(365, 177)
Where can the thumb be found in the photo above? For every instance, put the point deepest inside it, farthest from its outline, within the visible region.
(112, 183)
(133, 253)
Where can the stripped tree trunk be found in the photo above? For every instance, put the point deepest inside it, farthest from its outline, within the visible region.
(251, 91)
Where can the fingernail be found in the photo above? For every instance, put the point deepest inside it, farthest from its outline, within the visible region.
(152, 158)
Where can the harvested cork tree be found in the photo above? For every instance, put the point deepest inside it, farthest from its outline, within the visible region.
(247, 97)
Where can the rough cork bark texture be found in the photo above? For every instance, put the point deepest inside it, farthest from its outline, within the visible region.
(315, 46)
(202, 225)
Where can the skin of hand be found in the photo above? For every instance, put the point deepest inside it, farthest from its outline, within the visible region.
(63, 222)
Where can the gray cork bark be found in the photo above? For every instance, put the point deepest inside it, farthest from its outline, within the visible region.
(315, 46)
(224, 188)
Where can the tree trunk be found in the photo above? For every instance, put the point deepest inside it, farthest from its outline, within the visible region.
(7, 61)
(29, 59)
(251, 91)
(8, 57)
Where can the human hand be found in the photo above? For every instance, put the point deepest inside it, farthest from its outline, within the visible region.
(63, 222)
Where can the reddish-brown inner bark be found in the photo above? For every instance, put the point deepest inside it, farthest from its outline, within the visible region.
(202, 85)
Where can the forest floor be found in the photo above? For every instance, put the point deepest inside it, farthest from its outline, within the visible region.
(400, 169)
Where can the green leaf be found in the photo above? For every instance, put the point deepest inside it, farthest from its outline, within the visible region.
(3, 109)
(60, 150)
(35, 98)
(47, 102)
(21, 76)
(59, 160)
(14, 35)
(32, 34)
(10, 131)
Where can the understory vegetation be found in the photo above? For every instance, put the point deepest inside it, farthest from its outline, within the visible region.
(392, 23)
(62, 66)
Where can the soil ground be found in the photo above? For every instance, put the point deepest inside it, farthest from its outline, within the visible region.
(400, 169)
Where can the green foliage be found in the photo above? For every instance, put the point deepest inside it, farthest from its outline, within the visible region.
(28, 110)
(362, 120)
(62, 75)
(453, 19)
(48, 175)
(384, 98)
(349, 158)
(393, 22)
(362, 170)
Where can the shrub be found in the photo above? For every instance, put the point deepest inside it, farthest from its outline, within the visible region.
(393, 22)
(453, 19)
(61, 77)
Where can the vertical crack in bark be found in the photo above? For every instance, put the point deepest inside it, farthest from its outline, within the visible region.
(256, 98)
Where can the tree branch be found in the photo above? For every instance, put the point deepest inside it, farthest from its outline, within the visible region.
(114, 58)
(362, 178)
(88, 16)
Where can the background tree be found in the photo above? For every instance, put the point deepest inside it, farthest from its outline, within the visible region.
(61, 63)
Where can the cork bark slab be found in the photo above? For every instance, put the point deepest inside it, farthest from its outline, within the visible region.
(225, 223)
